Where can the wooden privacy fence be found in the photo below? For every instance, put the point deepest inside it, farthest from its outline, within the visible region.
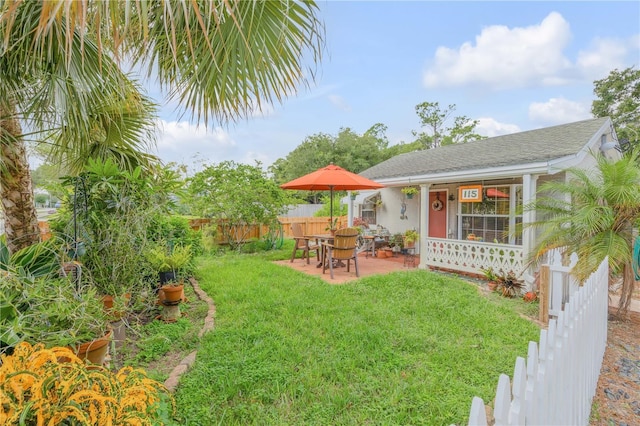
(311, 225)
(557, 382)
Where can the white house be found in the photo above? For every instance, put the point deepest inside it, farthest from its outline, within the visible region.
(470, 195)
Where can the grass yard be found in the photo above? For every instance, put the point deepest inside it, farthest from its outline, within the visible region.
(407, 348)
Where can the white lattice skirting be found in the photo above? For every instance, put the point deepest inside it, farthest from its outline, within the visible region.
(472, 256)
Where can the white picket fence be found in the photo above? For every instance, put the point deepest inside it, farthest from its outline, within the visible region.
(556, 384)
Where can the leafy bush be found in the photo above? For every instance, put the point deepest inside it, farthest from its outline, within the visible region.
(50, 311)
(37, 260)
(37, 388)
(174, 230)
(509, 285)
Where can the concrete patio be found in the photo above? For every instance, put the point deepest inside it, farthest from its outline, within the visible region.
(367, 266)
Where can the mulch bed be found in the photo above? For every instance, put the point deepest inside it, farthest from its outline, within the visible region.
(617, 399)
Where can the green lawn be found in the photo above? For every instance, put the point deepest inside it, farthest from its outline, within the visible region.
(407, 348)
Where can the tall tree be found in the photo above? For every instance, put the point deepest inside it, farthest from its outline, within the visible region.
(435, 119)
(618, 97)
(593, 213)
(219, 59)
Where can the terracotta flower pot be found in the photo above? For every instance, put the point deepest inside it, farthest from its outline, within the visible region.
(107, 300)
(171, 293)
(96, 350)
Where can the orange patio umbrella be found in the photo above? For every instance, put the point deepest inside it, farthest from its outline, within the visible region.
(331, 178)
(492, 192)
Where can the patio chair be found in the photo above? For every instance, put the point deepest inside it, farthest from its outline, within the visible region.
(343, 248)
(303, 243)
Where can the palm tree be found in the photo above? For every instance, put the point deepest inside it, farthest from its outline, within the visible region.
(60, 76)
(593, 213)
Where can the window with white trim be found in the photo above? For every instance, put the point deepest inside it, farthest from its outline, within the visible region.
(368, 209)
(492, 219)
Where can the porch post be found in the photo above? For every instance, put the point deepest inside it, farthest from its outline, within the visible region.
(529, 189)
(350, 211)
(424, 225)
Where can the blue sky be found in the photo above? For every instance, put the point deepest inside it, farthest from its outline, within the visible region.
(512, 65)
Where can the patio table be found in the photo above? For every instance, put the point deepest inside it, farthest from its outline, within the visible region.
(321, 238)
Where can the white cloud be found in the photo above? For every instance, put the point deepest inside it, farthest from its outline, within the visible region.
(181, 141)
(339, 102)
(605, 55)
(490, 127)
(558, 111)
(504, 57)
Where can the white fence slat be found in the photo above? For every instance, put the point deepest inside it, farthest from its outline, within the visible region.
(516, 413)
(503, 400)
(557, 382)
(532, 371)
(478, 416)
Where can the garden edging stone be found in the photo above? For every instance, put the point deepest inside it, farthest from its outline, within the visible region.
(174, 377)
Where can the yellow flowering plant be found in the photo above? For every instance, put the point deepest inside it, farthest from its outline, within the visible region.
(53, 386)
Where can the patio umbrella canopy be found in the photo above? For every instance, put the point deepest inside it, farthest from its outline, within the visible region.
(492, 192)
(331, 178)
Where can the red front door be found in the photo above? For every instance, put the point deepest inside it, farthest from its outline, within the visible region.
(438, 214)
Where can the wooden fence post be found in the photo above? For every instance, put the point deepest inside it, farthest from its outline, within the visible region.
(543, 315)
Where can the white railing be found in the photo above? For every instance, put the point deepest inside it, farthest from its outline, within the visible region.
(473, 256)
(556, 384)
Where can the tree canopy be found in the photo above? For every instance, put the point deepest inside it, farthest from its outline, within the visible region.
(435, 119)
(60, 72)
(235, 195)
(618, 97)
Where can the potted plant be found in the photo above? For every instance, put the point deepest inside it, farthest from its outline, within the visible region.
(409, 191)
(169, 261)
(492, 278)
(410, 238)
(396, 242)
(171, 292)
(509, 285)
(354, 194)
(52, 312)
(332, 226)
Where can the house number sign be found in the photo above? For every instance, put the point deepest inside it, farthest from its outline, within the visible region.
(470, 193)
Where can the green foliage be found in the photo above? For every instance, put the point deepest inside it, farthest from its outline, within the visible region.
(174, 230)
(338, 208)
(164, 258)
(434, 119)
(236, 195)
(50, 311)
(37, 260)
(348, 149)
(592, 213)
(411, 235)
(490, 274)
(62, 78)
(409, 190)
(618, 97)
(114, 210)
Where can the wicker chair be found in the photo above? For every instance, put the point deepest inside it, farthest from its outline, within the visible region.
(303, 243)
(343, 248)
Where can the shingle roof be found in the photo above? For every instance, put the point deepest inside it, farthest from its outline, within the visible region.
(533, 146)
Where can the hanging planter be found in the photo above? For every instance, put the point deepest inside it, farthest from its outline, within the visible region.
(409, 191)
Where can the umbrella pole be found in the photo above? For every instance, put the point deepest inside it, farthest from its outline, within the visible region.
(331, 207)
